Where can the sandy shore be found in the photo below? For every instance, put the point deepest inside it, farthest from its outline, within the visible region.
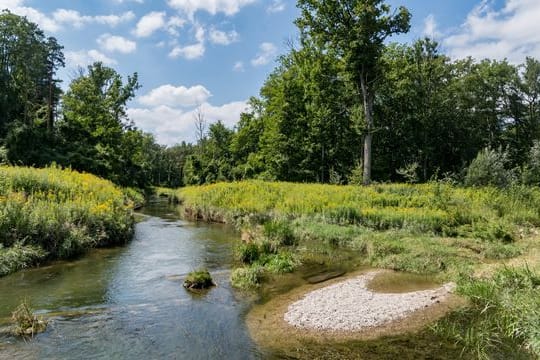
(351, 306)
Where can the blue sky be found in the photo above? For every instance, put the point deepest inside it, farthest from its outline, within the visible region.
(217, 53)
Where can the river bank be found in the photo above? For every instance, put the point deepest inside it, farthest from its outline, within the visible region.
(51, 214)
(447, 232)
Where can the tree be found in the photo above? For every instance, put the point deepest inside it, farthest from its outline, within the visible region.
(28, 65)
(356, 31)
(95, 125)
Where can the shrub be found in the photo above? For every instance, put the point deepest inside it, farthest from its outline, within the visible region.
(279, 231)
(248, 253)
(489, 168)
(531, 172)
(247, 277)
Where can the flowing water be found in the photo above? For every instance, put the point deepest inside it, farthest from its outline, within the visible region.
(129, 303)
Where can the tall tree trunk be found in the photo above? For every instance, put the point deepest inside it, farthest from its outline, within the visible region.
(368, 138)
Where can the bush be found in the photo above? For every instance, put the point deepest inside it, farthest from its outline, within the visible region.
(248, 253)
(279, 231)
(531, 172)
(489, 168)
(247, 277)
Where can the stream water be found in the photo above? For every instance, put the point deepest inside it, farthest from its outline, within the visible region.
(129, 303)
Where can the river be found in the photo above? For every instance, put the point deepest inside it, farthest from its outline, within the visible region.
(129, 303)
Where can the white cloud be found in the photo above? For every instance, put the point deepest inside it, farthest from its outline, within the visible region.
(174, 24)
(150, 23)
(239, 66)
(511, 32)
(223, 38)
(267, 52)
(171, 126)
(84, 58)
(112, 43)
(17, 7)
(60, 17)
(74, 18)
(190, 7)
(189, 52)
(276, 6)
(176, 96)
(430, 27)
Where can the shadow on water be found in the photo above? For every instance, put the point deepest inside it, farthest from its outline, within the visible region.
(130, 301)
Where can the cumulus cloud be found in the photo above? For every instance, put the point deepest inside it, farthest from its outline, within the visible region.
(267, 52)
(276, 6)
(510, 32)
(223, 38)
(18, 7)
(61, 17)
(176, 96)
(172, 125)
(175, 23)
(83, 58)
(74, 18)
(188, 52)
(150, 23)
(190, 7)
(112, 43)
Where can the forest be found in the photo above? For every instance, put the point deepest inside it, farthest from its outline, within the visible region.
(432, 116)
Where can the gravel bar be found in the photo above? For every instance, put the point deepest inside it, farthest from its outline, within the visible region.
(351, 306)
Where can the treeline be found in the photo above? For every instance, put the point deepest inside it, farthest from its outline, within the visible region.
(431, 115)
(85, 128)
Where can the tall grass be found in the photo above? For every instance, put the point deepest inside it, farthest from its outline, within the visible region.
(53, 213)
(436, 208)
(426, 228)
(503, 319)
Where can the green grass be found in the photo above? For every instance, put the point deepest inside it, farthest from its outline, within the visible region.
(503, 319)
(57, 214)
(199, 279)
(433, 228)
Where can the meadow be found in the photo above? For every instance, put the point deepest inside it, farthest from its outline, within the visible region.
(446, 231)
(54, 213)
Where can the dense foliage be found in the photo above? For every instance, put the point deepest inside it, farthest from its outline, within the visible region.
(56, 214)
(91, 132)
(426, 115)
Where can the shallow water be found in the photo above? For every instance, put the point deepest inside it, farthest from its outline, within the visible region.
(129, 303)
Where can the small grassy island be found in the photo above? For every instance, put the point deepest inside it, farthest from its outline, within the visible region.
(482, 238)
(199, 280)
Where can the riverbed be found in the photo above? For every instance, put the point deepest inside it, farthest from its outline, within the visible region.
(129, 303)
